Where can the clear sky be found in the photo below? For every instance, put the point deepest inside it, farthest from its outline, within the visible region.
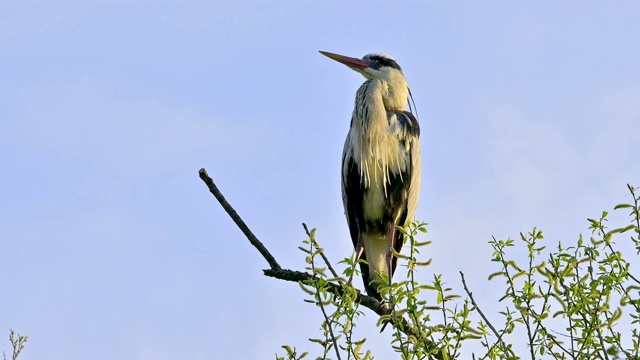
(111, 246)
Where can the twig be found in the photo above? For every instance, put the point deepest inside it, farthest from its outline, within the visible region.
(319, 298)
(238, 220)
(486, 320)
(324, 257)
(466, 289)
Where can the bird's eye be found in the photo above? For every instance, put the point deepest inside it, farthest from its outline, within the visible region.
(375, 65)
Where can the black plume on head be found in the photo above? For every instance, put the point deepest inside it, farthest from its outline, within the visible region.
(383, 60)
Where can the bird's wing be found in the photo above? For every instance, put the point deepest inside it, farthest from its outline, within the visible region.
(352, 199)
(414, 153)
(351, 192)
(412, 173)
(414, 187)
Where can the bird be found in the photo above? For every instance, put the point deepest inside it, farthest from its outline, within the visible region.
(380, 166)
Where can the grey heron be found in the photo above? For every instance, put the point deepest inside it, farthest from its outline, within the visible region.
(380, 166)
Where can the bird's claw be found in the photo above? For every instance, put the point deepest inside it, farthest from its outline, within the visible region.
(383, 307)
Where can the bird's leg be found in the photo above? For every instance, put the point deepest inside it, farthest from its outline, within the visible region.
(392, 235)
(389, 260)
(359, 251)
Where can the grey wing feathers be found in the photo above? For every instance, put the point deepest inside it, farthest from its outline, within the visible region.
(351, 192)
(414, 187)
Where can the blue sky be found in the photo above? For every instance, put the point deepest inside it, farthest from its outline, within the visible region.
(112, 247)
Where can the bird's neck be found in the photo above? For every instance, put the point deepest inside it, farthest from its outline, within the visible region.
(373, 139)
(394, 91)
(396, 96)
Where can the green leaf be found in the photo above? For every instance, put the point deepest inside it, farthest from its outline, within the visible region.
(289, 349)
(622, 206)
(318, 341)
(424, 243)
(519, 274)
(630, 227)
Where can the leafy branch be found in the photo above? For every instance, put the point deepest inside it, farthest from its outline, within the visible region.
(17, 343)
(566, 303)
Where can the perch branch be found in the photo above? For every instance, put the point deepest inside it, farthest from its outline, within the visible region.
(367, 301)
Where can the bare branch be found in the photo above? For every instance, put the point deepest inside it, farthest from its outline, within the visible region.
(464, 283)
(238, 220)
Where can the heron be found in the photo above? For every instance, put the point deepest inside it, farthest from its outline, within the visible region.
(380, 166)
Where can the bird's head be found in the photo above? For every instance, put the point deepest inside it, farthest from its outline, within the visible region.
(372, 66)
(382, 67)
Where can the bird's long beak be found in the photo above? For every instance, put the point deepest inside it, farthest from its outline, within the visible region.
(354, 63)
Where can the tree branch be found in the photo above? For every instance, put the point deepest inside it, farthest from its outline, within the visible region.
(238, 220)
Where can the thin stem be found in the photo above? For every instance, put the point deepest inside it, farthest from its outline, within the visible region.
(473, 301)
(324, 257)
(527, 319)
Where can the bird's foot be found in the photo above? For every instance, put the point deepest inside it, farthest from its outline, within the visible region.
(383, 308)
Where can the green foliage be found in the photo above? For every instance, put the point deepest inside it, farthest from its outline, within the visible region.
(573, 302)
(340, 313)
(17, 343)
